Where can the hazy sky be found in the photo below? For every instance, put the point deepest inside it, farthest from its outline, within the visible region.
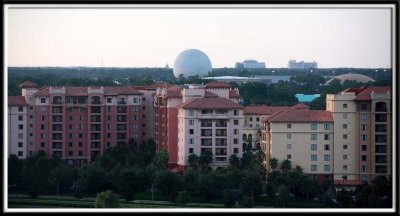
(154, 37)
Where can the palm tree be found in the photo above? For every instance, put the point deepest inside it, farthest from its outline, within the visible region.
(286, 165)
(273, 162)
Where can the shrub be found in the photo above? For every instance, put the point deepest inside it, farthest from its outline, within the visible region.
(247, 202)
(183, 197)
(107, 199)
(229, 200)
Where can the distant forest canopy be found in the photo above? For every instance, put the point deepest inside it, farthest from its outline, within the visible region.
(282, 93)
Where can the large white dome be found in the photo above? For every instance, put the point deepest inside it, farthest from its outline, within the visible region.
(192, 62)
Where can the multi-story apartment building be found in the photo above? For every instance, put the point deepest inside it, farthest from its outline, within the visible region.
(188, 120)
(292, 64)
(18, 126)
(302, 136)
(363, 125)
(78, 123)
(252, 121)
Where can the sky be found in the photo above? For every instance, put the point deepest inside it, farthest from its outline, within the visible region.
(138, 37)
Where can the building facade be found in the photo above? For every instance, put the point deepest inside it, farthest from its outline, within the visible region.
(363, 125)
(249, 64)
(292, 64)
(305, 137)
(18, 126)
(78, 123)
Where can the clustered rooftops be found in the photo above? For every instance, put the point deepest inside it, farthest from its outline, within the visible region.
(268, 110)
(364, 93)
(299, 115)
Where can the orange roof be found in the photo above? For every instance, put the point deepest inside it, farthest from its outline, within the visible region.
(209, 94)
(257, 110)
(301, 106)
(301, 115)
(174, 92)
(233, 94)
(140, 87)
(160, 84)
(346, 182)
(27, 84)
(366, 93)
(210, 103)
(219, 84)
(17, 101)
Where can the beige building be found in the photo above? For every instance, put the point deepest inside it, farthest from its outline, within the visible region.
(303, 136)
(363, 125)
(17, 126)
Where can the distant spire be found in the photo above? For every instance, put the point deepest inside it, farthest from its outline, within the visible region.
(167, 66)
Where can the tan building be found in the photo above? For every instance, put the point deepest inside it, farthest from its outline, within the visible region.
(363, 125)
(17, 126)
(303, 136)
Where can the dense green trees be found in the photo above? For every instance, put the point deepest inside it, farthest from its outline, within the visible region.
(107, 199)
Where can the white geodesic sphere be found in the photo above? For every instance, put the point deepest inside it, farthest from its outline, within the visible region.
(192, 62)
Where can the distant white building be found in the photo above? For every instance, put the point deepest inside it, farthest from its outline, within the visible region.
(250, 64)
(301, 65)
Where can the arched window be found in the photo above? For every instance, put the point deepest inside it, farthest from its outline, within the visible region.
(244, 137)
(250, 138)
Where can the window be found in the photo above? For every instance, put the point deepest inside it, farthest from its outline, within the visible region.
(80, 144)
(364, 127)
(20, 135)
(135, 117)
(313, 136)
(345, 105)
(344, 167)
(363, 157)
(108, 144)
(20, 118)
(364, 137)
(236, 122)
(313, 157)
(235, 150)
(109, 135)
(80, 135)
(42, 109)
(42, 127)
(344, 126)
(20, 153)
(364, 106)
(313, 167)
(326, 147)
(313, 126)
(363, 147)
(80, 117)
(20, 144)
(313, 147)
(257, 118)
(42, 144)
(289, 125)
(135, 100)
(109, 100)
(327, 126)
(108, 126)
(42, 100)
(191, 112)
(345, 146)
(344, 157)
(345, 115)
(191, 122)
(108, 118)
(326, 137)
(70, 118)
(43, 118)
(70, 126)
(20, 109)
(191, 131)
(289, 146)
(20, 126)
(327, 168)
(364, 117)
(235, 131)
(70, 135)
(344, 136)
(364, 168)
(191, 141)
(70, 153)
(80, 153)
(235, 141)
(289, 136)
(70, 144)
(235, 112)
(289, 156)
(108, 108)
(327, 157)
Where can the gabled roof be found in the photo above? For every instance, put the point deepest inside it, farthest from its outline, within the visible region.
(301, 106)
(301, 115)
(257, 110)
(210, 103)
(27, 84)
(209, 94)
(218, 85)
(17, 101)
(366, 93)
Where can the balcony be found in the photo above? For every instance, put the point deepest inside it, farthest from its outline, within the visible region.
(206, 132)
(121, 101)
(121, 118)
(56, 145)
(57, 110)
(95, 136)
(380, 118)
(57, 136)
(95, 110)
(380, 149)
(95, 118)
(221, 123)
(206, 142)
(221, 112)
(95, 127)
(220, 132)
(220, 159)
(57, 118)
(380, 139)
(121, 127)
(57, 127)
(95, 145)
(71, 101)
(121, 109)
(57, 100)
(380, 128)
(380, 159)
(121, 136)
(380, 169)
(220, 142)
(206, 123)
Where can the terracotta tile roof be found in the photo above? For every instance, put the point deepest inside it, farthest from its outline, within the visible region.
(76, 91)
(257, 110)
(159, 84)
(219, 84)
(174, 92)
(233, 94)
(122, 90)
(44, 91)
(27, 84)
(140, 87)
(366, 94)
(209, 94)
(279, 108)
(346, 182)
(301, 106)
(210, 103)
(17, 101)
(301, 115)
(267, 118)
